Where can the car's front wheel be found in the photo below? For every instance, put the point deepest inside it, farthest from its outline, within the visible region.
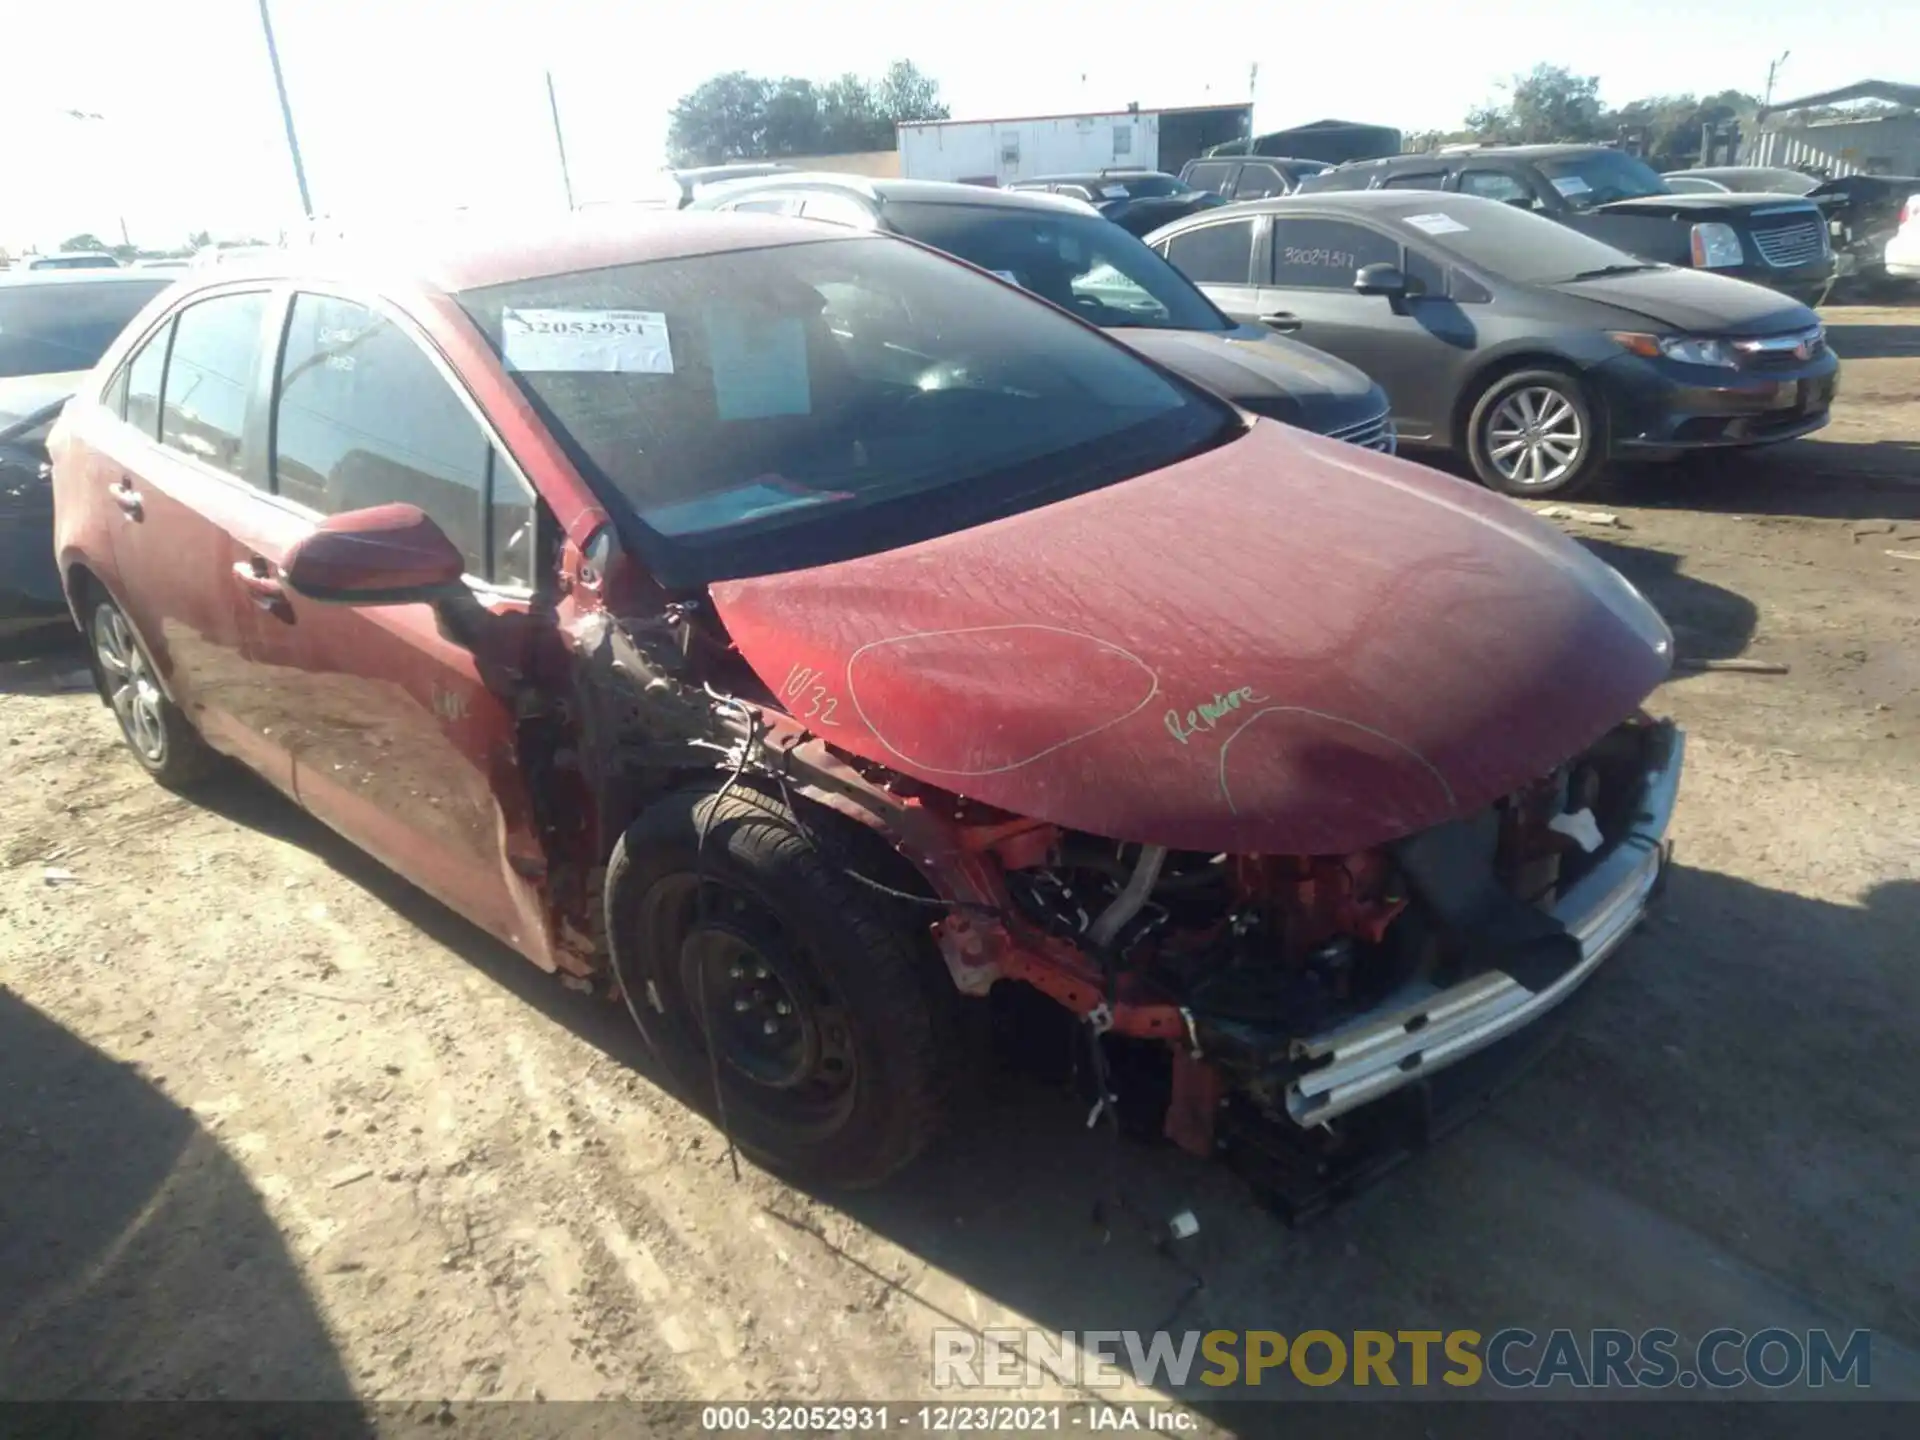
(763, 978)
(1535, 433)
(161, 738)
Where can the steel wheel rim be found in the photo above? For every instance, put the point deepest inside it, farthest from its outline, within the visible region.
(135, 697)
(1534, 437)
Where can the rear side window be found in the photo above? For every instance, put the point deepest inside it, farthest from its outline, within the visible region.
(145, 372)
(203, 408)
(1214, 254)
(1416, 180)
(1259, 181)
(1208, 177)
(50, 328)
(1323, 254)
(364, 418)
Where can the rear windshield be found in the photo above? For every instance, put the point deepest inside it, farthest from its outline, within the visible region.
(46, 329)
(765, 410)
(1600, 177)
(1080, 262)
(1510, 242)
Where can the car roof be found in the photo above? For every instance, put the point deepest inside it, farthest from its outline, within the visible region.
(1390, 205)
(100, 275)
(1518, 152)
(465, 257)
(919, 192)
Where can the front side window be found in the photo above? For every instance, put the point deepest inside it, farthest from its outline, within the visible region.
(210, 371)
(1219, 254)
(791, 405)
(1324, 254)
(55, 327)
(1079, 262)
(364, 418)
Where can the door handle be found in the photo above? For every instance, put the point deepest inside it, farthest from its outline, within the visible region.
(253, 578)
(126, 497)
(1281, 320)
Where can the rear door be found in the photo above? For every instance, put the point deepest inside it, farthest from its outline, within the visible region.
(399, 737)
(178, 466)
(1411, 348)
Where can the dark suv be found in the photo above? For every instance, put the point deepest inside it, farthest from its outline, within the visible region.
(1773, 240)
(1250, 177)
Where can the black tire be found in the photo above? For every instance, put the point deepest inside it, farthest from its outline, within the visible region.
(856, 1079)
(1567, 443)
(161, 738)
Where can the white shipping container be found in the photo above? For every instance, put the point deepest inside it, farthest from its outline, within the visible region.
(997, 152)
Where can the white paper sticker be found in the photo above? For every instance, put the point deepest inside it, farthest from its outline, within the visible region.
(1114, 192)
(606, 341)
(1571, 185)
(1006, 275)
(1436, 224)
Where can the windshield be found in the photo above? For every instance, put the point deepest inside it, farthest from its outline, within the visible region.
(1080, 262)
(1600, 177)
(765, 410)
(1516, 244)
(50, 328)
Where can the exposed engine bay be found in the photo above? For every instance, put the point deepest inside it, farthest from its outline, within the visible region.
(1258, 1005)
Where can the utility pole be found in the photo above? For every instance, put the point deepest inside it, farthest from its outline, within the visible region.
(286, 112)
(1773, 70)
(559, 140)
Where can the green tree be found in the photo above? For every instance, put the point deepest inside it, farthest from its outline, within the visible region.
(904, 95)
(719, 120)
(1548, 103)
(86, 240)
(1671, 124)
(738, 116)
(199, 240)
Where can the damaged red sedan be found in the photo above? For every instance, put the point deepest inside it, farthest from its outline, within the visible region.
(804, 633)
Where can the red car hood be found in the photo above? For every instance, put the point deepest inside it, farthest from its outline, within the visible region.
(1285, 645)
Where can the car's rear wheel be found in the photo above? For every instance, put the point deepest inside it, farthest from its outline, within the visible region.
(161, 738)
(756, 970)
(1535, 433)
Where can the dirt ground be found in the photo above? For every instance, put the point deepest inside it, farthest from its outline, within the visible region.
(274, 1124)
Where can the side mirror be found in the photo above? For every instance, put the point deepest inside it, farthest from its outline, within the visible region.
(1381, 279)
(385, 555)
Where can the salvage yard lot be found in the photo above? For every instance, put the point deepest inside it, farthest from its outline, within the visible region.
(272, 1123)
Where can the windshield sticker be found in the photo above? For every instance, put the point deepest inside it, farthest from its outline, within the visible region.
(1436, 224)
(1114, 192)
(759, 365)
(632, 342)
(1571, 185)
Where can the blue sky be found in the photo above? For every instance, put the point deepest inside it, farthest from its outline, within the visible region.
(412, 106)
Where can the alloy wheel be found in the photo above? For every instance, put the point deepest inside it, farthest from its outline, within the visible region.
(131, 688)
(1534, 437)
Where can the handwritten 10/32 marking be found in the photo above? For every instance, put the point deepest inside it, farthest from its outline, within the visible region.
(810, 698)
(1209, 713)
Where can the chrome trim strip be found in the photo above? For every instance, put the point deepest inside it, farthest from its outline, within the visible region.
(1422, 1029)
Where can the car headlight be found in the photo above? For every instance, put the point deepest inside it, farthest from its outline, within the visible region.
(1716, 247)
(1687, 349)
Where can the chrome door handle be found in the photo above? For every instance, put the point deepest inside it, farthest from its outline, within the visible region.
(266, 591)
(1281, 320)
(126, 497)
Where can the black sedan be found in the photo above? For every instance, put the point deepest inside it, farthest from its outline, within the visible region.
(1059, 249)
(1534, 351)
(53, 326)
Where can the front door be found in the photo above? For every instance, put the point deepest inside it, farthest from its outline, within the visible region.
(180, 465)
(1412, 349)
(399, 736)
(1218, 257)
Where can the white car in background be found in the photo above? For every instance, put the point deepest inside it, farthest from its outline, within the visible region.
(1903, 249)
